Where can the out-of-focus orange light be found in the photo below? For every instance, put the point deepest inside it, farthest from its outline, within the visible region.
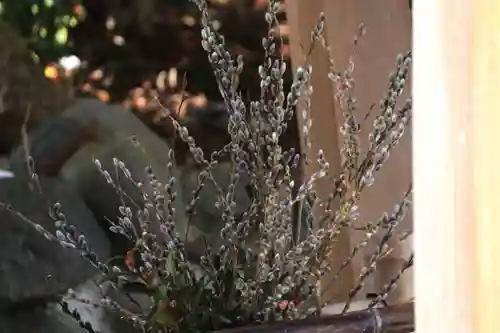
(102, 95)
(261, 3)
(141, 102)
(51, 72)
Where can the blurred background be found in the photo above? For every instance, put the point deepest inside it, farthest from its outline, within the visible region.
(143, 53)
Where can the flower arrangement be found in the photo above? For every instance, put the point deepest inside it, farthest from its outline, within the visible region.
(266, 263)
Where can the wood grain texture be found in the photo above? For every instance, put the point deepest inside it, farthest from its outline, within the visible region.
(456, 130)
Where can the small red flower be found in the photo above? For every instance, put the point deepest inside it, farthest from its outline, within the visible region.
(283, 304)
(129, 259)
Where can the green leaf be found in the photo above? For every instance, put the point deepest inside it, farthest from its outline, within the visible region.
(161, 294)
(164, 319)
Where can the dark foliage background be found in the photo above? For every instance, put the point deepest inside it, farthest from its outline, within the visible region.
(131, 41)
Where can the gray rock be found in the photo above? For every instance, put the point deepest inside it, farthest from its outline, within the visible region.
(52, 319)
(52, 144)
(32, 267)
(67, 145)
(115, 120)
(40, 320)
(117, 127)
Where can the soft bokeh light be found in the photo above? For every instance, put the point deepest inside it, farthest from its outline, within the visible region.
(6, 174)
(70, 63)
(51, 72)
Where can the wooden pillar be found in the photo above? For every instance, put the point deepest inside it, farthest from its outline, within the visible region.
(302, 17)
(485, 136)
(388, 26)
(388, 33)
(457, 199)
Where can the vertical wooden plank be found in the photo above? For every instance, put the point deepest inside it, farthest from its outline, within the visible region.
(457, 123)
(302, 17)
(388, 28)
(443, 164)
(485, 128)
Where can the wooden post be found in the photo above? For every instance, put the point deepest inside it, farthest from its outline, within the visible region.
(388, 26)
(388, 33)
(457, 183)
(302, 17)
(486, 158)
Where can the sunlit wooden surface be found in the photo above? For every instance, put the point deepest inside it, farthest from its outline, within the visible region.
(388, 26)
(486, 161)
(456, 159)
(388, 33)
(302, 17)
